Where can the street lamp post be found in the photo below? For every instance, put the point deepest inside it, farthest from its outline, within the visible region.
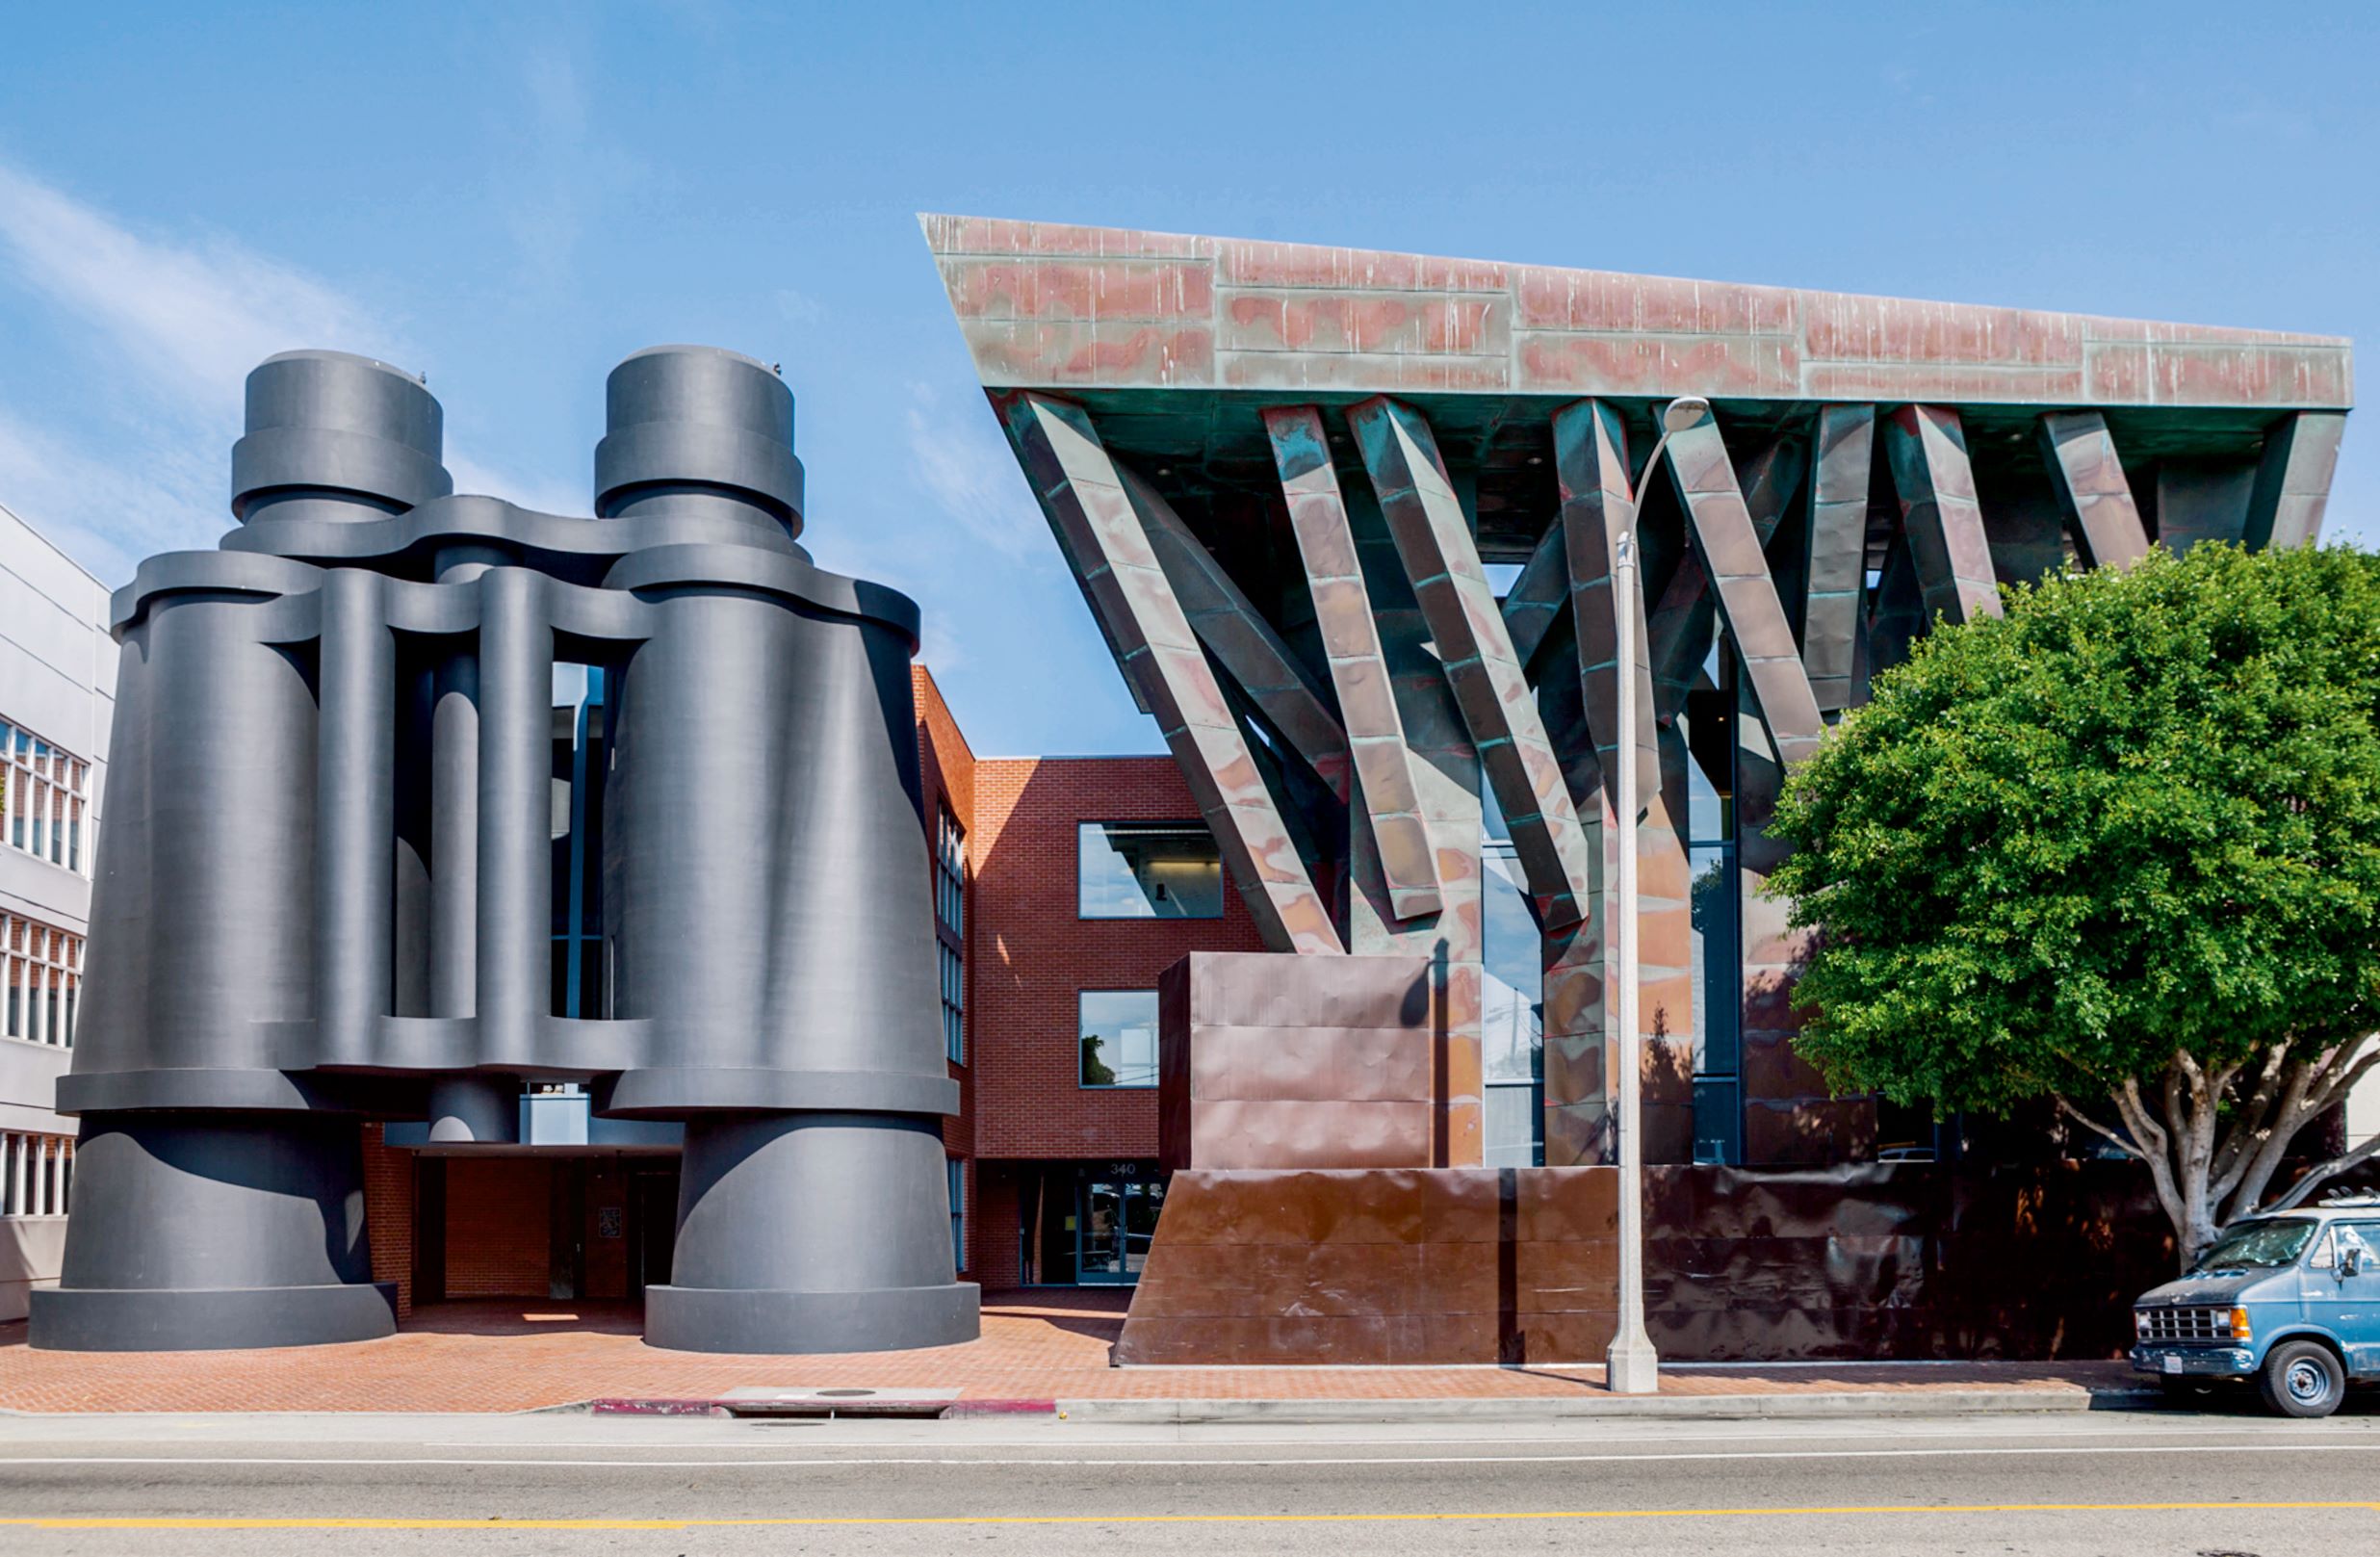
(1631, 1366)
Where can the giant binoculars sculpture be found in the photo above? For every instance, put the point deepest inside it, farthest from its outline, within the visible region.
(325, 886)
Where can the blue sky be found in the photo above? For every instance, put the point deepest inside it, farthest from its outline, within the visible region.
(512, 198)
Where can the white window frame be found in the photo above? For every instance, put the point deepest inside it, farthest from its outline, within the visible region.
(44, 798)
(41, 981)
(37, 1174)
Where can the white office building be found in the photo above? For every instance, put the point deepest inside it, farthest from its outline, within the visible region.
(57, 702)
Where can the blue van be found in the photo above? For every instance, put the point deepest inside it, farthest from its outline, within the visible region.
(2291, 1301)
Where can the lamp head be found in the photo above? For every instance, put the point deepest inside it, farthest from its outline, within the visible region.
(1684, 413)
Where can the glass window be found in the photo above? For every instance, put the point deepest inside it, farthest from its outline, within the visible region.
(1511, 1013)
(2259, 1245)
(41, 968)
(958, 1213)
(1714, 954)
(1149, 870)
(42, 798)
(953, 1003)
(949, 872)
(1119, 1034)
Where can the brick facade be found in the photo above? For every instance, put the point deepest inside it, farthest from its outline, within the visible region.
(1037, 953)
(1029, 954)
(498, 1242)
(388, 1214)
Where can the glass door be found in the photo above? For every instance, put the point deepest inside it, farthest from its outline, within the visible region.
(1117, 1222)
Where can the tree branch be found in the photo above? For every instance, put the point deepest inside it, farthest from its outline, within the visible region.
(2094, 1126)
(2136, 1117)
(2341, 1084)
(2146, 1130)
(2255, 1110)
(2289, 1116)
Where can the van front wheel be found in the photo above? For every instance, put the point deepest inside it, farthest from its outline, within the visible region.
(2303, 1378)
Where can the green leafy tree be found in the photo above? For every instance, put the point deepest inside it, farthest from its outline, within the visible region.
(2121, 848)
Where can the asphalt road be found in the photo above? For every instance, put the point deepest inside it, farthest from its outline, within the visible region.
(2216, 1486)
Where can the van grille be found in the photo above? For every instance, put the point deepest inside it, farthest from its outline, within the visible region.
(2185, 1324)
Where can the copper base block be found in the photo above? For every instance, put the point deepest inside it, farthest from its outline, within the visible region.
(1373, 1266)
(1370, 1267)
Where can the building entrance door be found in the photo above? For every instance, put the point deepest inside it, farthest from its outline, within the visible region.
(652, 1226)
(1115, 1220)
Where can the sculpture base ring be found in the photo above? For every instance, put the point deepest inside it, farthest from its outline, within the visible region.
(721, 1320)
(120, 1319)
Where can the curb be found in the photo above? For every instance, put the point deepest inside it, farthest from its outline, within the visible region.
(957, 1409)
(1804, 1404)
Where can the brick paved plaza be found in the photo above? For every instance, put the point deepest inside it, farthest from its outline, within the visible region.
(1036, 1345)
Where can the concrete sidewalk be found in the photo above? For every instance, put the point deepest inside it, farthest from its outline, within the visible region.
(1042, 1351)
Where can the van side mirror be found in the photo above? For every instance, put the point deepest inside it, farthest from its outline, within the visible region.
(2351, 1262)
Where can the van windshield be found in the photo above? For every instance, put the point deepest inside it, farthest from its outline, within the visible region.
(2256, 1246)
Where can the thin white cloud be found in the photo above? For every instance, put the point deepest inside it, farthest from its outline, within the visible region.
(175, 328)
(542, 494)
(939, 647)
(550, 175)
(190, 320)
(106, 514)
(966, 467)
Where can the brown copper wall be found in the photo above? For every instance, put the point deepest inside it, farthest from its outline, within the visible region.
(1904, 1260)
(1267, 1061)
(1379, 1266)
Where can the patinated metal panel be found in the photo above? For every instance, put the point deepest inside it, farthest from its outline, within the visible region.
(1380, 1266)
(1939, 513)
(1344, 616)
(1731, 551)
(1042, 304)
(1581, 964)
(2091, 489)
(1898, 613)
(1297, 1062)
(1083, 493)
(1534, 601)
(1241, 639)
(1681, 624)
(1835, 561)
(1519, 1265)
(1446, 778)
(1790, 1113)
(1598, 504)
(2294, 480)
(1434, 537)
(2200, 500)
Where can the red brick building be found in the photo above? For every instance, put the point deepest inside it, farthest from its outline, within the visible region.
(1064, 886)
(1060, 1176)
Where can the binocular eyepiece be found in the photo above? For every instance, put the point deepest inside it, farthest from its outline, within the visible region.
(688, 430)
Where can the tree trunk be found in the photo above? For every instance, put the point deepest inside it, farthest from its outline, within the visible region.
(2213, 1140)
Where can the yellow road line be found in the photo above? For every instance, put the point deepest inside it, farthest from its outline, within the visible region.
(240, 1522)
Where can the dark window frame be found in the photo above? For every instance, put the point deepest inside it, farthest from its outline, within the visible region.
(1080, 1037)
(1154, 824)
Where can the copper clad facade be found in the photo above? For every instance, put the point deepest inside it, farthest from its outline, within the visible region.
(1350, 521)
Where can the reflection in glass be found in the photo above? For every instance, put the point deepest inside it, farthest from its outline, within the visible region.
(1140, 869)
(1714, 956)
(1511, 1013)
(1119, 1034)
(1119, 1222)
(1716, 947)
